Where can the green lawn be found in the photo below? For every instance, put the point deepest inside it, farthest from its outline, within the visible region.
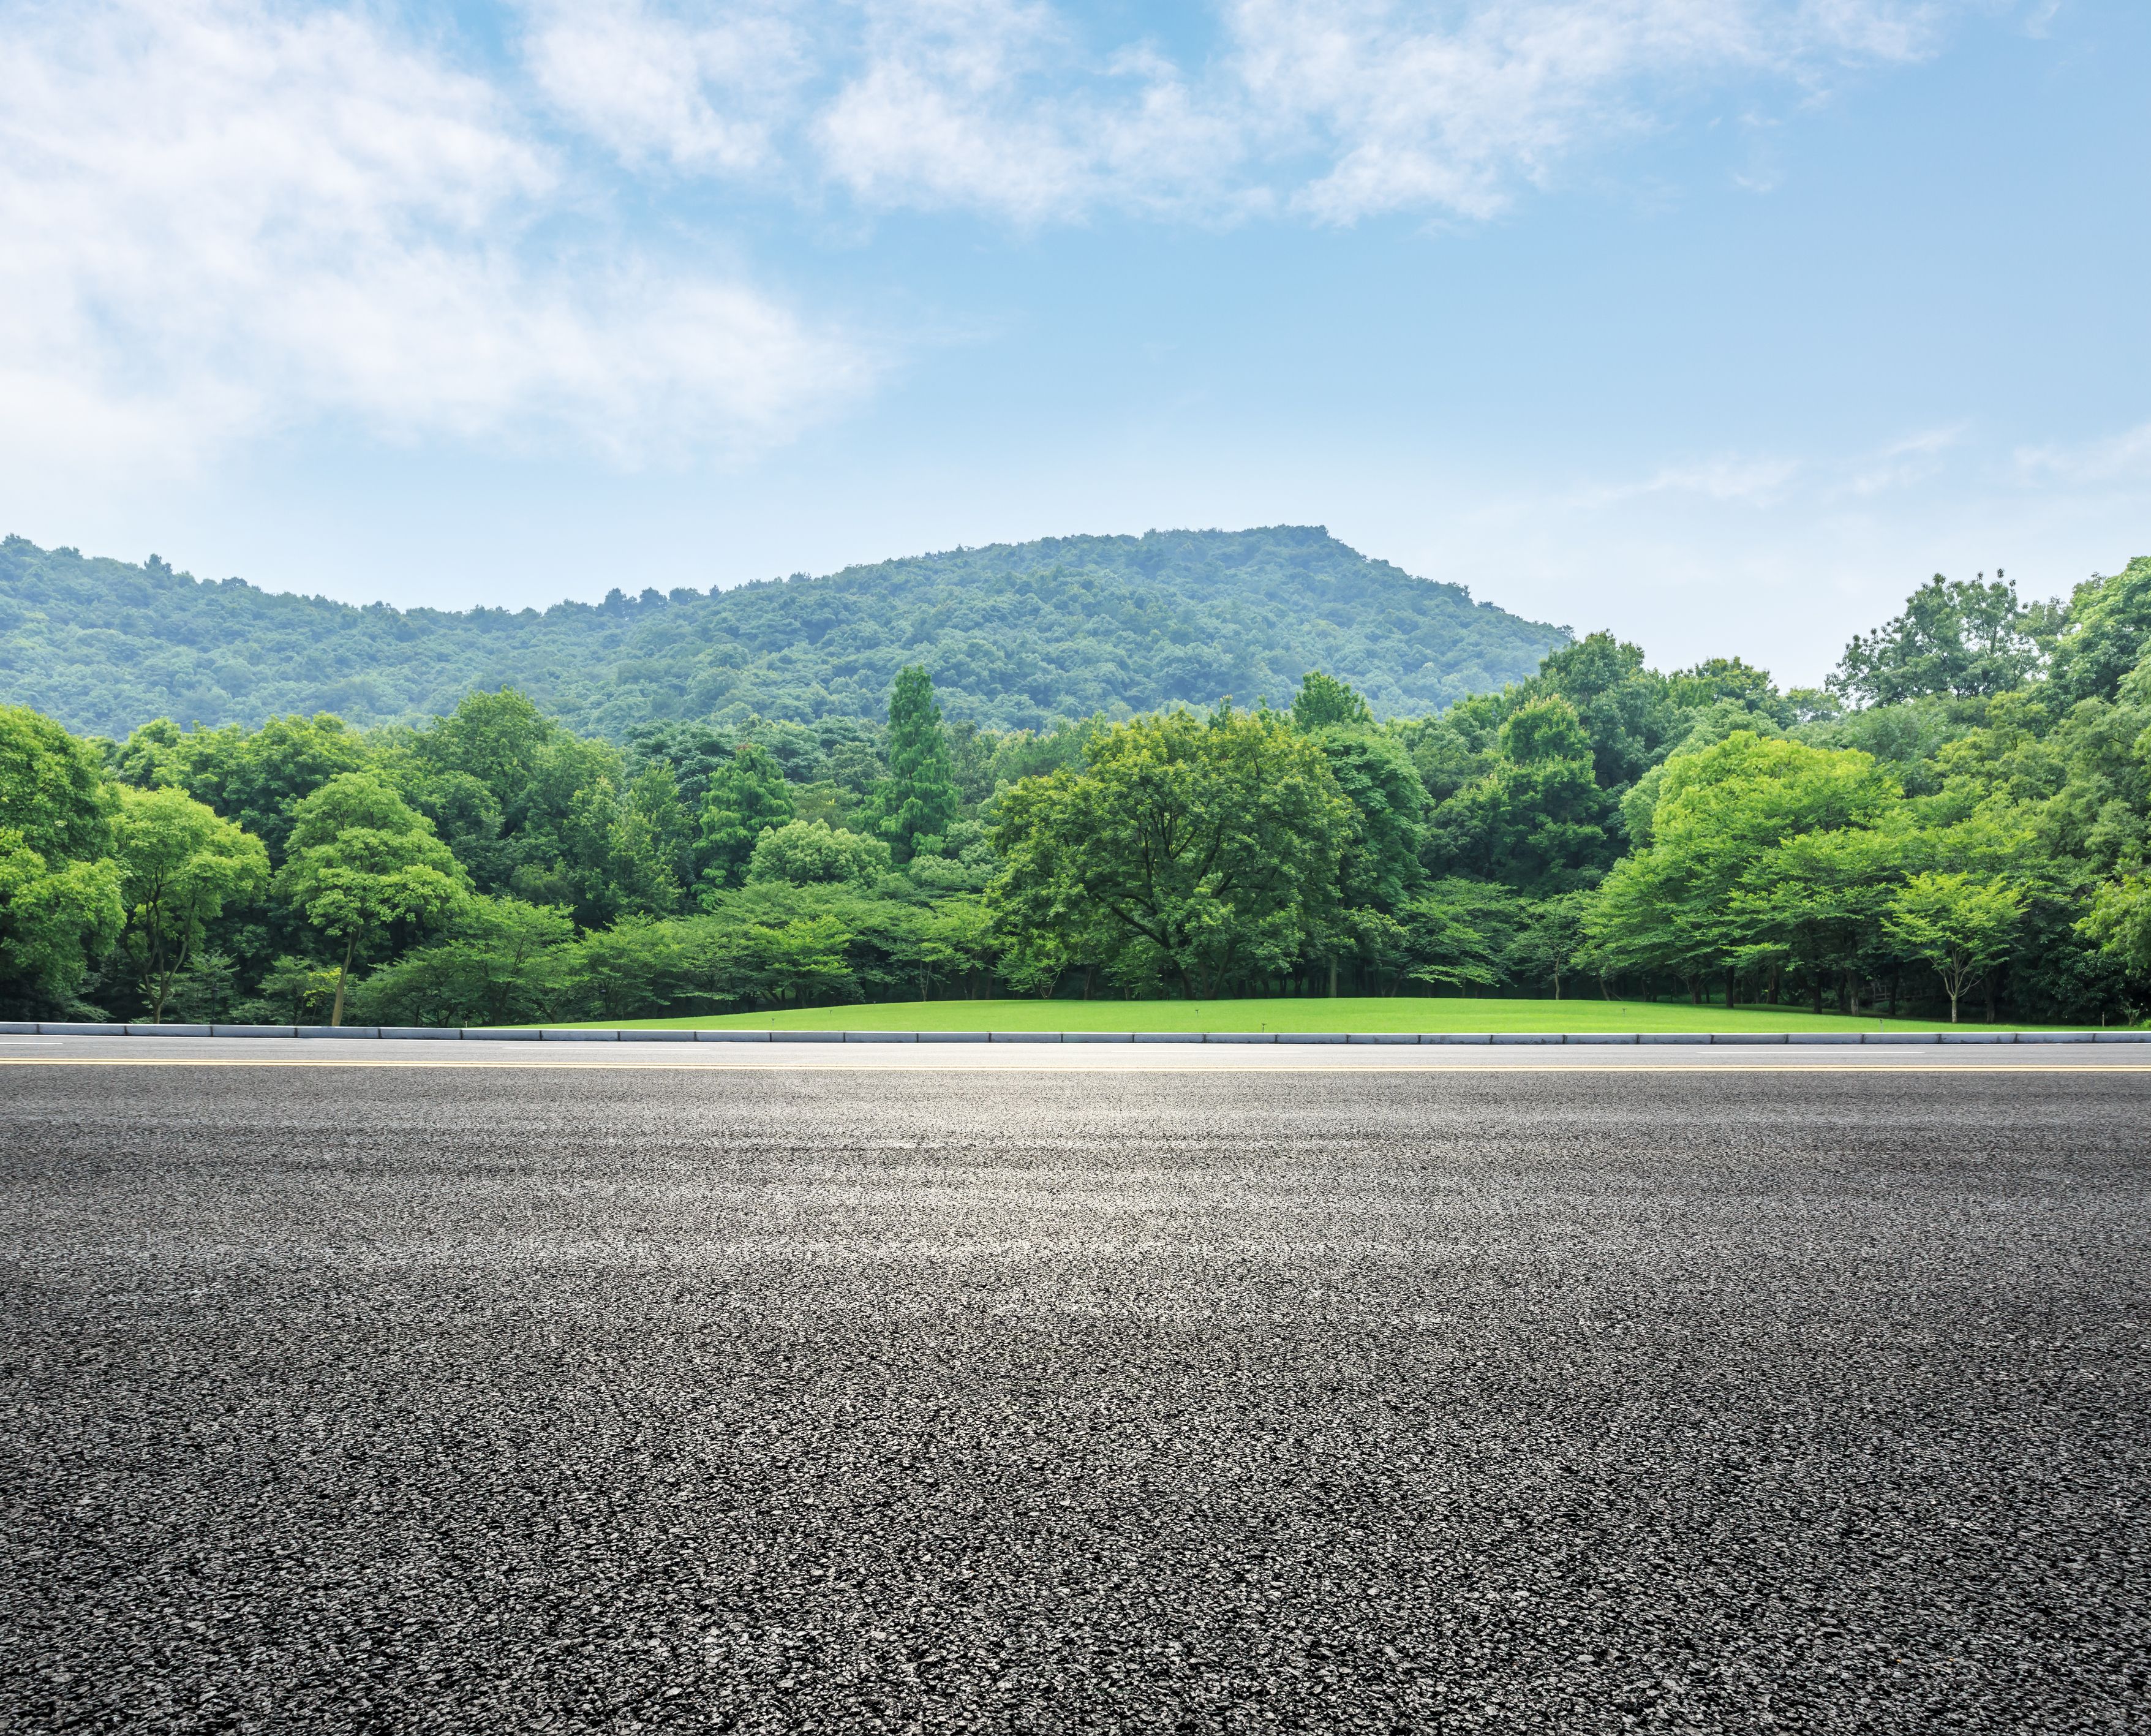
(1366, 1013)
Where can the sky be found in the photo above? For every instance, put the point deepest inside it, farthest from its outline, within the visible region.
(1720, 323)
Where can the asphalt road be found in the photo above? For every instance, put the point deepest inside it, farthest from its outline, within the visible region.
(455, 1399)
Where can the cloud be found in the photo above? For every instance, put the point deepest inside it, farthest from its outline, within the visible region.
(703, 95)
(225, 217)
(1339, 109)
(2124, 458)
(1431, 106)
(993, 105)
(1901, 464)
(1731, 480)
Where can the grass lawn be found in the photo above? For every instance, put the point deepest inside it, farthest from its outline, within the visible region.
(1348, 1013)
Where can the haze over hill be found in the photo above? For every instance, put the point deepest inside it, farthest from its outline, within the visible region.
(1015, 635)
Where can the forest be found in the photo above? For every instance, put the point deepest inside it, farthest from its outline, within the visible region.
(1014, 637)
(1957, 823)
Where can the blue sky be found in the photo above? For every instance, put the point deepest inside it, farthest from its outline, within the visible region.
(1718, 323)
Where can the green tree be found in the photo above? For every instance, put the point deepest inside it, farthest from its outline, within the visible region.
(918, 802)
(2105, 633)
(1380, 867)
(747, 796)
(1820, 900)
(1324, 702)
(179, 864)
(1457, 932)
(813, 853)
(2120, 921)
(1965, 639)
(1630, 714)
(1719, 813)
(1536, 820)
(1551, 938)
(502, 962)
(255, 778)
(1204, 847)
(1960, 923)
(294, 991)
(364, 865)
(59, 888)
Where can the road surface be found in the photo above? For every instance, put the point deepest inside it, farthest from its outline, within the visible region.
(1719, 1390)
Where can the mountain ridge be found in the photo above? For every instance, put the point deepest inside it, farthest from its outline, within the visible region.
(1016, 635)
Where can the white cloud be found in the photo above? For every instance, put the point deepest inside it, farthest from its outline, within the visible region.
(224, 216)
(2124, 458)
(1901, 464)
(1732, 480)
(1821, 481)
(1339, 109)
(707, 94)
(996, 105)
(1419, 105)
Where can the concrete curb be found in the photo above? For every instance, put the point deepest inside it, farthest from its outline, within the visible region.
(576, 1033)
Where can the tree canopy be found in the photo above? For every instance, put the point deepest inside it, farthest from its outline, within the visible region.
(1015, 637)
(1980, 842)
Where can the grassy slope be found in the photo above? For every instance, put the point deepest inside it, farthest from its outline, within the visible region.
(1346, 1013)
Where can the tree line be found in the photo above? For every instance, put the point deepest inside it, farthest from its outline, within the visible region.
(1958, 821)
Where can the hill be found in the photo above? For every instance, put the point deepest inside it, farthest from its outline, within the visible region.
(1014, 635)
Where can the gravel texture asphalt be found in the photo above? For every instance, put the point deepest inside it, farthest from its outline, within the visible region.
(416, 1399)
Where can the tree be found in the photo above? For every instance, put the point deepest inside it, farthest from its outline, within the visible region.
(1671, 907)
(364, 864)
(1204, 847)
(1457, 932)
(2120, 921)
(1535, 821)
(1965, 639)
(1820, 900)
(813, 854)
(254, 778)
(1324, 702)
(179, 865)
(2105, 633)
(1630, 714)
(919, 799)
(59, 889)
(752, 948)
(1551, 938)
(747, 796)
(502, 962)
(1960, 923)
(1380, 867)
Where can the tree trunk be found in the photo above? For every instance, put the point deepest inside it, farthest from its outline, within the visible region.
(1990, 1000)
(1732, 987)
(1333, 979)
(1818, 994)
(335, 1013)
(1952, 1003)
(1695, 991)
(1776, 971)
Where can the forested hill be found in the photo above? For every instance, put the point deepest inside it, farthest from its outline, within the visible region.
(1014, 634)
